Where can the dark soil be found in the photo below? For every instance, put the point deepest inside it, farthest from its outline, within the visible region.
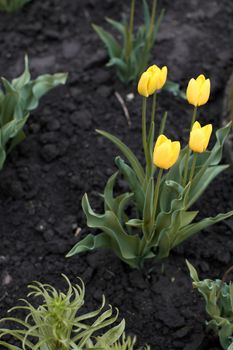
(62, 157)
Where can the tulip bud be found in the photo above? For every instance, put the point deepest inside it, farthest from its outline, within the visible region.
(198, 91)
(166, 152)
(152, 80)
(199, 137)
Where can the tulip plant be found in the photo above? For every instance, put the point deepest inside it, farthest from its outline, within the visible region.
(155, 215)
(17, 99)
(59, 323)
(132, 56)
(12, 5)
(218, 296)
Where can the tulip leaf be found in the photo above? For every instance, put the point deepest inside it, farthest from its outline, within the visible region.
(146, 12)
(109, 223)
(199, 187)
(218, 299)
(17, 99)
(191, 229)
(148, 211)
(134, 162)
(109, 41)
(135, 223)
(133, 183)
(116, 25)
(90, 242)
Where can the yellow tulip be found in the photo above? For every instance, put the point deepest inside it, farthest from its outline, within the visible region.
(152, 80)
(198, 91)
(200, 137)
(166, 152)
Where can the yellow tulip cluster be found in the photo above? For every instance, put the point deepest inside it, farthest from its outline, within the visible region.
(167, 152)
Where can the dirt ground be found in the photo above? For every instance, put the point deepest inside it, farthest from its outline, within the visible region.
(62, 157)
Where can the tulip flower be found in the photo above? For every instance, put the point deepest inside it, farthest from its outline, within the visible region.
(199, 137)
(198, 91)
(152, 80)
(166, 152)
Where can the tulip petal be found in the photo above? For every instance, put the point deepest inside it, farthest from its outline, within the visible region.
(196, 126)
(163, 77)
(153, 82)
(196, 140)
(207, 131)
(153, 69)
(200, 79)
(162, 154)
(192, 92)
(143, 84)
(205, 93)
(175, 153)
(161, 139)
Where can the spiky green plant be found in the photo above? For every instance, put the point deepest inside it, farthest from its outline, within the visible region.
(12, 5)
(59, 323)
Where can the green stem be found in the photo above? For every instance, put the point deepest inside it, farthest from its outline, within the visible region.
(163, 123)
(152, 23)
(130, 30)
(188, 150)
(154, 101)
(144, 134)
(193, 167)
(156, 193)
(151, 135)
(149, 40)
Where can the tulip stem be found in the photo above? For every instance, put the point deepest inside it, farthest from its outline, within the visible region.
(154, 101)
(144, 134)
(130, 31)
(156, 193)
(186, 163)
(163, 123)
(152, 23)
(193, 117)
(193, 166)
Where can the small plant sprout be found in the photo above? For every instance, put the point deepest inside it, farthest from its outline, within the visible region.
(59, 323)
(131, 56)
(12, 5)
(17, 99)
(154, 216)
(218, 297)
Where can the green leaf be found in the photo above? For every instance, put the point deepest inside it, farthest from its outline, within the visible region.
(197, 189)
(148, 219)
(114, 49)
(24, 79)
(135, 223)
(11, 129)
(90, 243)
(175, 89)
(124, 245)
(127, 153)
(133, 182)
(119, 26)
(111, 336)
(192, 271)
(146, 12)
(190, 230)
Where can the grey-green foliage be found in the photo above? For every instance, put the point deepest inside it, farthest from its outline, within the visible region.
(17, 99)
(219, 306)
(146, 234)
(59, 323)
(12, 5)
(130, 62)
